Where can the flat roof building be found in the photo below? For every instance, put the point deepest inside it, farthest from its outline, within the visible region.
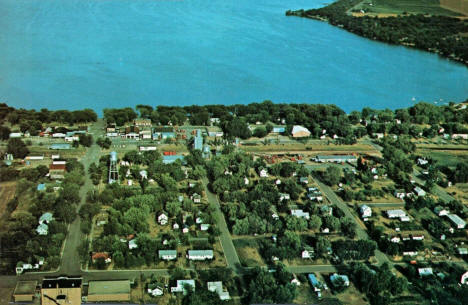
(61, 290)
(25, 291)
(99, 291)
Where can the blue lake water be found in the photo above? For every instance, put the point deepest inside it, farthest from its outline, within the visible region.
(72, 54)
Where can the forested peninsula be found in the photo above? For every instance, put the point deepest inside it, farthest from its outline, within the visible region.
(446, 36)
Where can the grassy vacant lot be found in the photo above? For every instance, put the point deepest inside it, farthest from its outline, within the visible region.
(446, 157)
(247, 249)
(431, 7)
(461, 192)
(313, 149)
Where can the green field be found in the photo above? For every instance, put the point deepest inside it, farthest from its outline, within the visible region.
(446, 157)
(431, 7)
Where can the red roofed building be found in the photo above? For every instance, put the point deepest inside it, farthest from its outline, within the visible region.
(98, 255)
(57, 171)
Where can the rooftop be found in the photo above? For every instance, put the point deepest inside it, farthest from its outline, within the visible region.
(61, 282)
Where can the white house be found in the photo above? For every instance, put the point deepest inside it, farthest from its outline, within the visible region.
(132, 244)
(162, 219)
(399, 193)
(464, 278)
(395, 239)
(441, 211)
(419, 191)
(300, 213)
(366, 211)
(422, 161)
(395, 213)
(42, 229)
(284, 196)
(204, 227)
(263, 173)
(218, 288)
(155, 290)
(175, 226)
(200, 255)
(181, 284)
(308, 253)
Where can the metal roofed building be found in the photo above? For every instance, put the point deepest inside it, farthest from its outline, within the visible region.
(200, 255)
(109, 291)
(167, 254)
(457, 221)
(198, 140)
(335, 158)
(60, 146)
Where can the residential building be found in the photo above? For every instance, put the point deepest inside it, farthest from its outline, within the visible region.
(462, 251)
(308, 252)
(200, 255)
(196, 198)
(218, 288)
(155, 290)
(425, 271)
(300, 132)
(334, 277)
(284, 196)
(204, 227)
(181, 286)
(145, 134)
(441, 211)
(42, 229)
(457, 221)
(41, 187)
(108, 291)
(57, 171)
(46, 218)
(419, 191)
(366, 211)
(300, 213)
(163, 132)
(399, 193)
(167, 255)
(132, 132)
(24, 291)
(314, 282)
(61, 290)
(132, 244)
(464, 278)
(98, 255)
(263, 173)
(395, 213)
(142, 122)
(304, 180)
(162, 219)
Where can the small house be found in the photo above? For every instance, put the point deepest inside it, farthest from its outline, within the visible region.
(425, 272)
(181, 286)
(200, 255)
(204, 227)
(308, 252)
(162, 219)
(217, 287)
(395, 213)
(334, 278)
(196, 198)
(42, 229)
(399, 193)
(300, 213)
(46, 218)
(155, 290)
(263, 173)
(132, 244)
(104, 255)
(419, 191)
(366, 211)
(441, 211)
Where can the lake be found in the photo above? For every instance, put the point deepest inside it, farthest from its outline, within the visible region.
(72, 54)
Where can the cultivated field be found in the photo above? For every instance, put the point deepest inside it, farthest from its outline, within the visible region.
(460, 6)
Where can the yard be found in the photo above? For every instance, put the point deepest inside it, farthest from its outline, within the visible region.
(7, 192)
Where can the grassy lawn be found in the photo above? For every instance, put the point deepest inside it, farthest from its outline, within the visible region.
(431, 7)
(461, 192)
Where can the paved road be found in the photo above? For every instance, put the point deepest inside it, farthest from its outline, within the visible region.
(225, 238)
(70, 263)
(360, 227)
